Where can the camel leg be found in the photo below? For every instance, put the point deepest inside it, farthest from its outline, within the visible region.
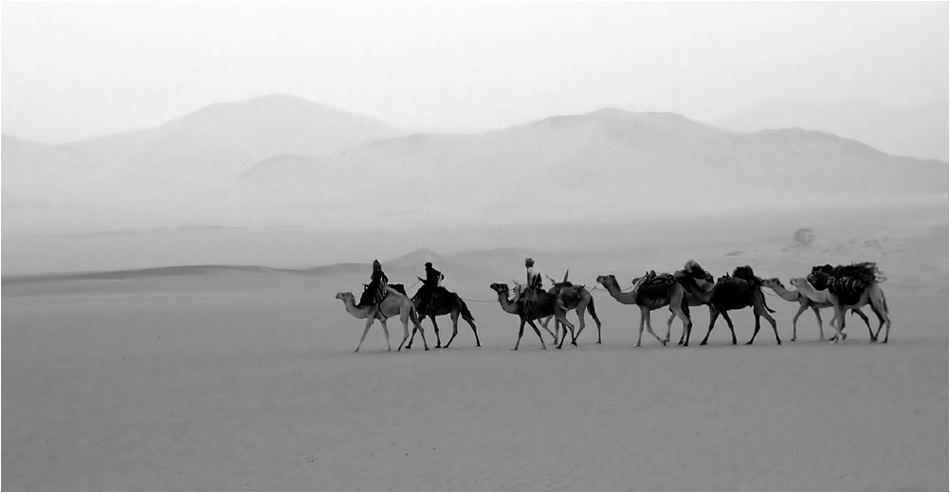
(839, 326)
(405, 332)
(386, 331)
(471, 323)
(417, 326)
(687, 325)
(880, 309)
(593, 314)
(858, 312)
(821, 330)
(565, 325)
(536, 331)
(669, 324)
(544, 324)
(762, 313)
(435, 328)
(580, 325)
(369, 323)
(714, 315)
(455, 328)
(650, 330)
(732, 328)
(757, 326)
(520, 333)
(643, 315)
(801, 309)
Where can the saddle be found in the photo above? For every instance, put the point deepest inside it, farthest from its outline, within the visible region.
(653, 285)
(373, 295)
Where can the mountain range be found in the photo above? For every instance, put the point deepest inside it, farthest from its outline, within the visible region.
(921, 131)
(286, 160)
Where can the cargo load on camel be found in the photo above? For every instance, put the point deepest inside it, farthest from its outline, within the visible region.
(848, 282)
(693, 270)
(738, 286)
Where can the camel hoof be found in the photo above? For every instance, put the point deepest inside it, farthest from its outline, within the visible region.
(748, 343)
(702, 343)
(778, 343)
(793, 339)
(427, 348)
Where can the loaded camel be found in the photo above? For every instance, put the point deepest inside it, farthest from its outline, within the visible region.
(576, 298)
(805, 303)
(674, 297)
(394, 304)
(443, 302)
(545, 306)
(726, 295)
(872, 295)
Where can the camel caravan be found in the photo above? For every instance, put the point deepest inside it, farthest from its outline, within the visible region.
(842, 288)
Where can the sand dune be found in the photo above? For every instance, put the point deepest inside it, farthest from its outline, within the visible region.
(237, 378)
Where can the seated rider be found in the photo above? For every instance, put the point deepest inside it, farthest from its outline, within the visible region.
(529, 291)
(431, 284)
(375, 291)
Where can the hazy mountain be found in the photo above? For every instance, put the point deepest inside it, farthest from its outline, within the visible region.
(163, 175)
(919, 131)
(606, 164)
(284, 160)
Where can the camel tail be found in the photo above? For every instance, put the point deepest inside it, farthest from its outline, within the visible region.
(766, 304)
(593, 312)
(465, 312)
(414, 315)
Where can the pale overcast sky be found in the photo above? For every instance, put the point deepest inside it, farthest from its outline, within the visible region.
(76, 70)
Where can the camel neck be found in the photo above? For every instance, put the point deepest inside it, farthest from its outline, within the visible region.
(614, 289)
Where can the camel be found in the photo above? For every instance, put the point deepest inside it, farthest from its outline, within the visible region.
(443, 303)
(675, 298)
(871, 295)
(805, 303)
(395, 303)
(721, 300)
(576, 298)
(546, 305)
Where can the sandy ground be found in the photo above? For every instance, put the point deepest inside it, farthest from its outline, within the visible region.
(245, 380)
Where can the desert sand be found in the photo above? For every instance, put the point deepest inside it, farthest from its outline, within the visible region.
(244, 378)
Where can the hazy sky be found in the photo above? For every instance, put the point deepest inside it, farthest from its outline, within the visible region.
(76, 70)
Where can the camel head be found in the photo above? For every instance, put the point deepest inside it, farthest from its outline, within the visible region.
(772, 283)
(345, 297)
(500, 288)
(799, 282)
(609, 278)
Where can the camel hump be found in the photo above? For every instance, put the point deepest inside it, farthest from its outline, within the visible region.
(399, 288)
(744, 272)
(734, 285)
